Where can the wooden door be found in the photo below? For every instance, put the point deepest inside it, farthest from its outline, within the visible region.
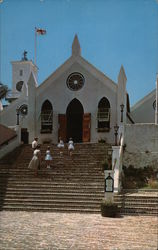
(86, 127)
(62, 126)
(24, 136)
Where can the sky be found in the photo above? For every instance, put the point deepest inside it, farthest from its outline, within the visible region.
(111, 33)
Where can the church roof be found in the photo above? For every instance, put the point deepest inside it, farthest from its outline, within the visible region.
(77, 58)
(144, 99)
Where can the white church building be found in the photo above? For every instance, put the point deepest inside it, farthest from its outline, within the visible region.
(77, 100)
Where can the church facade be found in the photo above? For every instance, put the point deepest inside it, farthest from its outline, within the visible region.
(77, 100)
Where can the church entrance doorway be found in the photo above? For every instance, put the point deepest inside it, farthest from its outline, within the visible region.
(74, 115)
(24, 136)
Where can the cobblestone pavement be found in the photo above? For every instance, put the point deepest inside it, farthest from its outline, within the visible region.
(74, 231)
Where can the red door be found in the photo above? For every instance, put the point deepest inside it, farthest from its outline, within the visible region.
(62, 127)
(86, 127)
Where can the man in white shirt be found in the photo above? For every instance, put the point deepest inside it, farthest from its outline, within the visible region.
(35, 143)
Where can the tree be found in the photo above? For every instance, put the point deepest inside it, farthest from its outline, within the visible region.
(3, 91)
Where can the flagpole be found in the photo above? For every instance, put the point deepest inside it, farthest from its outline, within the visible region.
(35, 46)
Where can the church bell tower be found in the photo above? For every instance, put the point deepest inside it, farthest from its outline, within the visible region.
(21, 71)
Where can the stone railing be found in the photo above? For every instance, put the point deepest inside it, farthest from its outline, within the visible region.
(117, 159)
(12, 143)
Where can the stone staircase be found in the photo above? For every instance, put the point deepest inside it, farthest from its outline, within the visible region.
(138, 202)
(73, 184)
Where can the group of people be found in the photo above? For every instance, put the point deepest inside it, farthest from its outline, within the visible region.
(36, 160)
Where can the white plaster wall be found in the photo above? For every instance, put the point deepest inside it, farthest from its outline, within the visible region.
(144, 112)
(60, 96)
(141, 142)
(54, 89)
(8, 115)
(141, 137)
(27, 67)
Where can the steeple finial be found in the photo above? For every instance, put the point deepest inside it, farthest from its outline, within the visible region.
(76, 49)
(122, 74)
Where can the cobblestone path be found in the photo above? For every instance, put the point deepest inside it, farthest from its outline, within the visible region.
(70, 231)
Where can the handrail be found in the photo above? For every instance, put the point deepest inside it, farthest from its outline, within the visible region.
(117, 162)
(113, 167)
(7, 141)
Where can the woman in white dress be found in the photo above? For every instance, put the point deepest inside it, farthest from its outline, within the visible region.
(36, 160)
(48, 157)
(61, 145)
(70, 146)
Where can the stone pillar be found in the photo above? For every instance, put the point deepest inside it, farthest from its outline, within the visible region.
(109, 195)
(118, 167)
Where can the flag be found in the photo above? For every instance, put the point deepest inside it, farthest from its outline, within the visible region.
(40, 31)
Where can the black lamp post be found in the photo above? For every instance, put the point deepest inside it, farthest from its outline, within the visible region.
(122, 107)
(116, 127)
(17, 116)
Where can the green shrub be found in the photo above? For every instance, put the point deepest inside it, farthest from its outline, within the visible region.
(138, 177)
(109, 209)
(102, 141)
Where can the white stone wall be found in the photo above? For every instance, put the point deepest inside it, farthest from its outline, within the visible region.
(141, 141)
(54, 89)
(57, 92)
(143, 111)
(8, 115)
(27, 67)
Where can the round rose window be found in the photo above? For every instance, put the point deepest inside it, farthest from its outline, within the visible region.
(75, 81)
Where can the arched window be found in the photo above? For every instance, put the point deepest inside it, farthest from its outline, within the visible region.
(46, 117)
(103, 116)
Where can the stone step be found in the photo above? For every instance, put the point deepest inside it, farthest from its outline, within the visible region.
(137, 204)
(60, 179)
(136, 198)
(55, 189)
(46, 182)
(56, 170)
(69, 165)
(50, 195)
(73, 184)
(53, 201)
(139, 210)
(142, 191)
(43, 173)
(53, 209)
(21, 186)
(59, 206)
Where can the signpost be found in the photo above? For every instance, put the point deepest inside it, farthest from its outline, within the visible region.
(109, 185)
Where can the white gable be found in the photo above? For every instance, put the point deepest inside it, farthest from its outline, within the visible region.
(143, 111)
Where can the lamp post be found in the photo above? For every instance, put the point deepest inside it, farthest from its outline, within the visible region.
(122, 107)
(116, 127)
(17, 116)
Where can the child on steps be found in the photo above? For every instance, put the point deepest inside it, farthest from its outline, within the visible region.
(48, 157)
